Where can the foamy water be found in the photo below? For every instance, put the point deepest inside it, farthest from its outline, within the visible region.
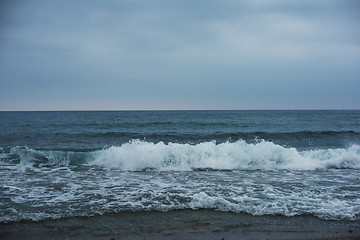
(239, 155)
(51, 170)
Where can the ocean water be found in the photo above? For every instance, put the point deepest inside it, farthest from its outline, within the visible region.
(59, 165)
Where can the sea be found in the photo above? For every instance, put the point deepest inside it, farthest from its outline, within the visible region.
(66, 164)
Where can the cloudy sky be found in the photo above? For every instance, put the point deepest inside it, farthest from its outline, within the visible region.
(179, 54)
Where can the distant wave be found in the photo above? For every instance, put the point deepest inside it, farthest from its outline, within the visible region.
(240, 155)
(325, 136)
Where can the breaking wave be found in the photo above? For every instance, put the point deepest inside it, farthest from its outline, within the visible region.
(139, 155)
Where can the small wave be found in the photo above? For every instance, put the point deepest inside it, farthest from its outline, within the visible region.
(331, 209)
(137, 155)
(37, 158)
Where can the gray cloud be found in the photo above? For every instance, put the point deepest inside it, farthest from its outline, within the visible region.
(179, 54)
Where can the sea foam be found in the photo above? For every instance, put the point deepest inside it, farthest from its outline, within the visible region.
(139, 155)
(224, 156)
(115, 179)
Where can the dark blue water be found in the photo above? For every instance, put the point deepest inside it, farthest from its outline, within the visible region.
(66, 164)
(94, 130)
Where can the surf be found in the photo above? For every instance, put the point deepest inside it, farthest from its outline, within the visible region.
(239, 155)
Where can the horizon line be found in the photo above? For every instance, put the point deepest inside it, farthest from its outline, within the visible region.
(150, 110)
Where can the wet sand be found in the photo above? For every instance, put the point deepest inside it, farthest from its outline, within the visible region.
(186, 224)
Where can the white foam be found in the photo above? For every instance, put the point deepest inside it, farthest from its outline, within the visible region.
(65, 191)
(138, 154)
(285, 205)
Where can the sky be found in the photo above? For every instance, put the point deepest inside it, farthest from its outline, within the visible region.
(179, 54)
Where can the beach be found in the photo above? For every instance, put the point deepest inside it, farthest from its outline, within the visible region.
(180, 120)
(186, 224)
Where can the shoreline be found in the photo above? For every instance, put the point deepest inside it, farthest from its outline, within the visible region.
(182, 224)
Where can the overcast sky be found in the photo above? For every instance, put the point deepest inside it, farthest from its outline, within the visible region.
(181, 54)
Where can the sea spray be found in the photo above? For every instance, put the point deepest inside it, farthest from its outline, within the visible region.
(138, 155)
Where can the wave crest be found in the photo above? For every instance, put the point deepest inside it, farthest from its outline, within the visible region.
(224, 156)
(139, 155)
